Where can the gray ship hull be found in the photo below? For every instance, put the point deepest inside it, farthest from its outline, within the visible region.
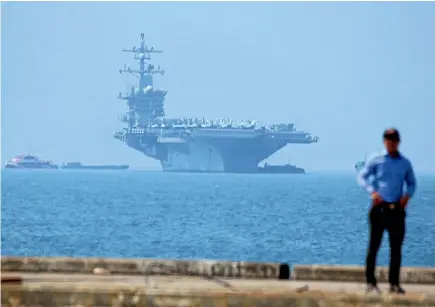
(211, 154)
(218, 156)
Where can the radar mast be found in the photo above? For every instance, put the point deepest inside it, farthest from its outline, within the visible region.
(144, 102)
(144, 73)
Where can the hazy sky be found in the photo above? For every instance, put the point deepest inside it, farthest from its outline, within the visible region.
(343, 71)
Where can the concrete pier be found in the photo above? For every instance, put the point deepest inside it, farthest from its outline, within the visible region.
(154, 282)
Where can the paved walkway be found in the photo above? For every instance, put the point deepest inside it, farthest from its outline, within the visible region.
(198, 283)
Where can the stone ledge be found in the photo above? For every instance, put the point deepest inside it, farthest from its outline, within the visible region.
(58, 296)
(409, 275)
(147, 267)
(245, 270)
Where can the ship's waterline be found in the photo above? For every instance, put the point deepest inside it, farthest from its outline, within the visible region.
(195, 145)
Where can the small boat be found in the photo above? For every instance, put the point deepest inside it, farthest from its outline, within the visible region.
(360, 164)
(27, 161)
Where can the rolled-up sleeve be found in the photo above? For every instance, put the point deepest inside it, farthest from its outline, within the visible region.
(364, 176)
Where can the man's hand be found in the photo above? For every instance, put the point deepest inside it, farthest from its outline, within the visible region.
(377, 199)
(404, 201)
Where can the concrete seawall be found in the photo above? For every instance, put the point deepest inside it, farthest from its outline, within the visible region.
(409, 275)
(247, 270)
(59, 282)
(147, 267)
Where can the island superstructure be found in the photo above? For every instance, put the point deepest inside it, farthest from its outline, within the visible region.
(191, 144)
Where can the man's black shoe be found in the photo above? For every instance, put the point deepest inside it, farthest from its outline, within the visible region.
(397, 289)
(373, 287)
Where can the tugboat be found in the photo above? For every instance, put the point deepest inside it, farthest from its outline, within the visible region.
(27, 161)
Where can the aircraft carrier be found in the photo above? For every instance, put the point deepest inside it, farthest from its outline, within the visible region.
(191, 144)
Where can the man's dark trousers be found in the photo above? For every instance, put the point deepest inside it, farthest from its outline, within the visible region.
(390, 217)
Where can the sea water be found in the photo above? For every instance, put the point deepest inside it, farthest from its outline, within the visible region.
(312, 218)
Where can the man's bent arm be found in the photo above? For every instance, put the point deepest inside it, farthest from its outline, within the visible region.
(364, 175)
(411, 182)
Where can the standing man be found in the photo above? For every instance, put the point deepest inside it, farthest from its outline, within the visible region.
(383, 177)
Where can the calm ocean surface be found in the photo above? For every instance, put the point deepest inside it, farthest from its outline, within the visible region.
(288, 218)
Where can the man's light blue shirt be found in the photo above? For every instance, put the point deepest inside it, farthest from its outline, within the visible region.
(386, 175)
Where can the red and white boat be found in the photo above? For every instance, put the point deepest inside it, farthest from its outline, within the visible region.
(29, 162)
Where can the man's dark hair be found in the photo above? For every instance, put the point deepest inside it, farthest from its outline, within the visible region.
(392, 134)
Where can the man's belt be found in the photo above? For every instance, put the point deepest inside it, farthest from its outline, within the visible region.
(390, 205)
